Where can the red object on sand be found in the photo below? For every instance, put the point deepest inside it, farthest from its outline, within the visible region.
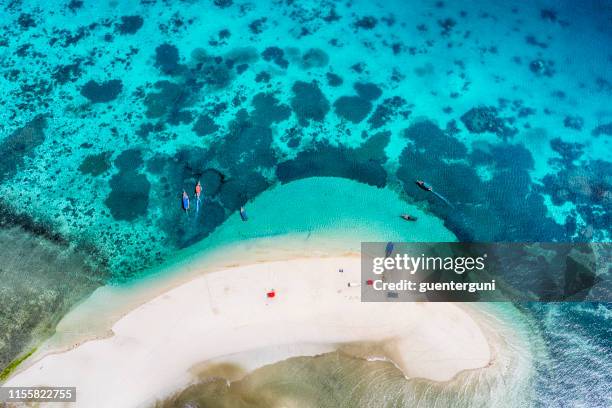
(370, 282)
(271, 294)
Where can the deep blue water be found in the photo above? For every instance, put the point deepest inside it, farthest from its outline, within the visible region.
(577, 369)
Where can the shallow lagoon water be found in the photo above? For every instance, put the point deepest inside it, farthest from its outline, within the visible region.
(243, 98)
(112, 109)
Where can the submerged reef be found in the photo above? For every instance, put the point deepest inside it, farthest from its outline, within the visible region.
(95, 164)
(269, 109)
(387, 111)
(367, 90)
(167, 59)
(587, 184)
(352, 108)
(364, 164)
(122, 112)
(308, 102)
(605, 129)
(275, 55)
(129, 196)
(170, 97)
(59, 275)
(205, 125)
(489, 210)
(130, 24)
(102, 92)
(485, 119)
(21, 144)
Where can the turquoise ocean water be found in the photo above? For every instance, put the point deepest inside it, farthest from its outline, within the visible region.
(110, 109)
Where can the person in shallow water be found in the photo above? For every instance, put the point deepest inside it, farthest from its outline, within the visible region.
(243, 214)
(185, 201)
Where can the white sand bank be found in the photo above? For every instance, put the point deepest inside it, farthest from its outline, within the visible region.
(327, 216)
(226, 316)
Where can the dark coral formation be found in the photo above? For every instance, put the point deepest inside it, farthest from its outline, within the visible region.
(352, 108)
(171, 97)
(258, 26)
(205, 125)
(102, 92)
(568, 151)
(95, 164)
(532, 40)
(237, 191)
(276, 55)
(366, 22)
(314, 58)
(129, 196)
(26, 21)
(75, 5)
(246, 146)
(586, 184)
(216, 72)
(368, 90)
(130, 24)
(387, 110)
(308, 102)
(573, 122)
(485, 119)
(167, 59)
(129, 160)
(223, 3)
(21, 144)
(486, 209)
(548, 15)
(604, 129)
(364, 164)
(333, 79)
(542, 67)
(447, 26)
(67, 73)
(268, 109)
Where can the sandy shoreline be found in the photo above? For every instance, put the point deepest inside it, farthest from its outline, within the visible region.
(225, 316)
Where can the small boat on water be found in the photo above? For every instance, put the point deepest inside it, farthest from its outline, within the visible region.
(389, 249)
(423, 186)
(408, 217)
(185, 202)
(243, 214)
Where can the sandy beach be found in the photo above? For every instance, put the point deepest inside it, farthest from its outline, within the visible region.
(226, 316)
